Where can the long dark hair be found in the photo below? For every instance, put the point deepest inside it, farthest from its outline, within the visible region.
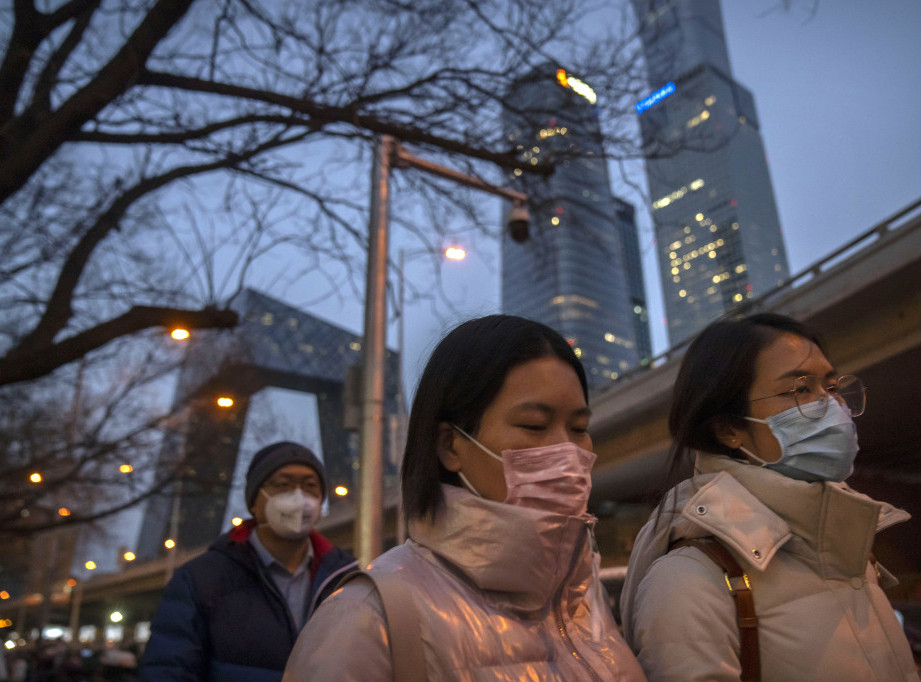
(462, 377)
(714, 380)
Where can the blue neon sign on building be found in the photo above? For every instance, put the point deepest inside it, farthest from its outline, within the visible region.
(655, 97)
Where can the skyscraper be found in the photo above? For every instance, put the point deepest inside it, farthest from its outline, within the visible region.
(717, 230)
(579, 272)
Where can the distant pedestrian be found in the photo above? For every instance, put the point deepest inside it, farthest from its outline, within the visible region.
(234, 612)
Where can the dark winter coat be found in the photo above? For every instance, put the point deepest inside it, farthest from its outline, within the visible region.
(222, 618)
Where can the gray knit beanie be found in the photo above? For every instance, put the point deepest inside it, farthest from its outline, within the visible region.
(273, 457)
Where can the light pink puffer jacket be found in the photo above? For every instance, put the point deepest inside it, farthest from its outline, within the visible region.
(500, 593)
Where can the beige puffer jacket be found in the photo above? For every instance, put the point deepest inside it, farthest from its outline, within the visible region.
(500, 593)
(805, 546)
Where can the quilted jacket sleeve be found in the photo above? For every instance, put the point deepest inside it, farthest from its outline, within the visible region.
(176, 651)
(684, 621)
(345, 640)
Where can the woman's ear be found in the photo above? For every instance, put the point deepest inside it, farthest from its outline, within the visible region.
(447, 455)
(727, 434)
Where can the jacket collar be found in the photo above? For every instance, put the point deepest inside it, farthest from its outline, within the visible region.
(756, 511)
(238, 539)
(522, 556)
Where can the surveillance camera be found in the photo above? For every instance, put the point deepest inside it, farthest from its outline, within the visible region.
(518, 221)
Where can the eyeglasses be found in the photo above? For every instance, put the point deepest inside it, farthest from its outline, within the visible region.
(811, 395)
(309, 484)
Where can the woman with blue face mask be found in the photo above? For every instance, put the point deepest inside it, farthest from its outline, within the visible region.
(498, 580)
(758, 566)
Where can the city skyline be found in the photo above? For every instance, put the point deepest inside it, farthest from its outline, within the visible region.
(572, 272)
(718, 236)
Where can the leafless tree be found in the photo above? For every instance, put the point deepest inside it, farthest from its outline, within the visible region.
(155, 154)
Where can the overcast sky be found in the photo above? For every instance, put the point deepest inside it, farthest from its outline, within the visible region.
(839, 102)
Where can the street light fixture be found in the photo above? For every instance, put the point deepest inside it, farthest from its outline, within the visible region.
(389, 152)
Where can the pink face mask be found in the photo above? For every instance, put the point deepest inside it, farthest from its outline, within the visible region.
(555, 478)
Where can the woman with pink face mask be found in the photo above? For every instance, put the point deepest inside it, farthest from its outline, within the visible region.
(498, 580)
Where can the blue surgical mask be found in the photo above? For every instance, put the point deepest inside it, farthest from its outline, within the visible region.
(812, 449)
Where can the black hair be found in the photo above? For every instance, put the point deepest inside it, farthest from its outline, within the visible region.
(713, 383)
(463, 376)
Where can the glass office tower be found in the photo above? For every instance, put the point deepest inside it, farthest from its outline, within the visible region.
(717, 230)
(579, 272)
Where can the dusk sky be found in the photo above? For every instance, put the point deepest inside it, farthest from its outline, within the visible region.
(839, 102)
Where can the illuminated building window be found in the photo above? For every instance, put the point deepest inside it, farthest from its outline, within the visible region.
(741, 268)
(687, 230)
(554, 221)
(672, 255)
(712, 254)
(676, 279)
(267, 319)
(682, 293)
(612, 338)
(710, 101)
(581, 300)
(737, 298)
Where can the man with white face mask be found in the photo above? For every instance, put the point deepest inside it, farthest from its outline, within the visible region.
(234, 612)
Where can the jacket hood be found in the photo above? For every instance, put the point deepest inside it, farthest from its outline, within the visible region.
(755, 512)
(837, 522)
(234, 543)
(522, 556)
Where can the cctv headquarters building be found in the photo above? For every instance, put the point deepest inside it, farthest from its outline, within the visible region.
(717, 228)
(579, 272)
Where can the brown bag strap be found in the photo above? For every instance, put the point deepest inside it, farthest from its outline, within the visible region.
(402, 624)
(740, 589)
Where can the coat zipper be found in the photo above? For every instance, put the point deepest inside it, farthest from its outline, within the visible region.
(561, 626)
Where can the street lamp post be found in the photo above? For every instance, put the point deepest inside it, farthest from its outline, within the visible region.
(451, 253)
(389, 152)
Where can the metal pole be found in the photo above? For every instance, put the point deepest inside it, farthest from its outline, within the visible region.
(401, 403)
(173, 531)
(76, 599)
(369, 524)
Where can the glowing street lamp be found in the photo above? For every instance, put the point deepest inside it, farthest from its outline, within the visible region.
(35, 477)
(169, 543)
(225, 401)
(129, 556)
(180, 334)
(341, 490)
(126, 468)
(90, 565)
